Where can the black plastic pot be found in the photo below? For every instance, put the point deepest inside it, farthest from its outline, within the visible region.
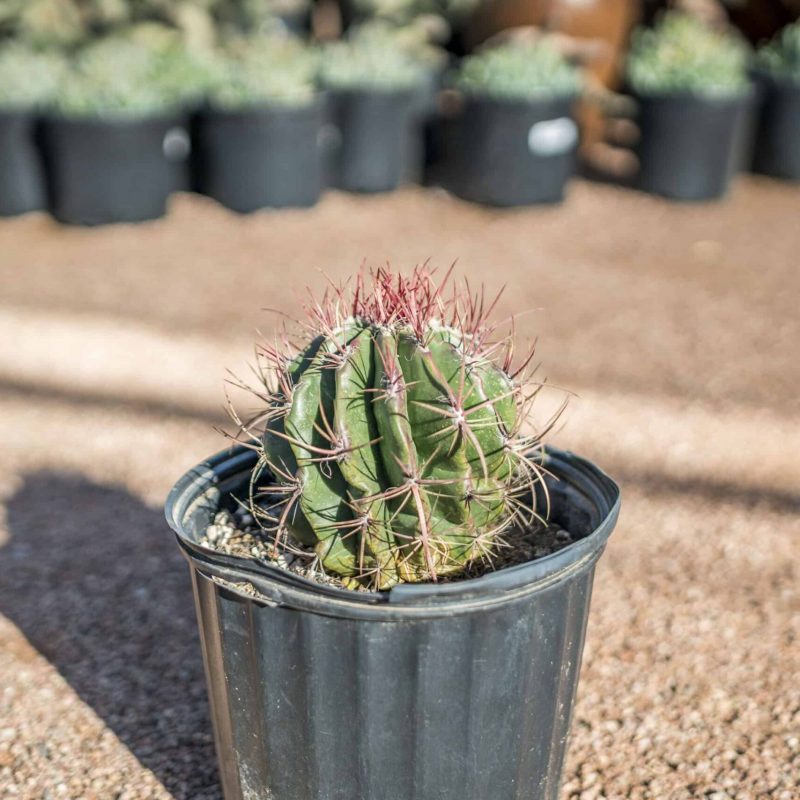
(369, 138)
(511, 153)
(22, 183)
(456, 691)
(106, 171)
(777, 143)
(690, 147)
(259, 158)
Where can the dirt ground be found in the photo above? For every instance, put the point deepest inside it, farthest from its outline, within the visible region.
(677, 328)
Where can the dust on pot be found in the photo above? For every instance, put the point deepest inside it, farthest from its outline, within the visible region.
(777, 75)
(513, 140)
(373, 134)
(28, 82)
(694, 98)
(258, 139)
(117, 142)
(399, 623)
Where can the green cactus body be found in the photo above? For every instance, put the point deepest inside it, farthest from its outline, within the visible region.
(393, 440)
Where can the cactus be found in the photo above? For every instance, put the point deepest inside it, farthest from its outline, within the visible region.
(393, 433)
(519, 71)
(781, 56)
(28, 79)
(367, 64)
(263, 70)
(683, 54)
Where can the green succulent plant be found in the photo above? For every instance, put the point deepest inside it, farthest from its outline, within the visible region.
(519, 71)
(681, 54)
(120, 77)
(781, 56)
(74, 23)
(368, 65)
(28, 79)
(263, 70)
(393, 433)
(413, 39)
(453, 12)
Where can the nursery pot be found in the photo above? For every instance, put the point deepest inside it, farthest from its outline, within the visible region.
(511, 153)
(22, 184)
(690, 147)
(777, 144)
(368, 138)
(105, 171)
(453, 691)
(261, 157)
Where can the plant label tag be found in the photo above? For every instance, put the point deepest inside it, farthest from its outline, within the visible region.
(553, 137)
(177, 145)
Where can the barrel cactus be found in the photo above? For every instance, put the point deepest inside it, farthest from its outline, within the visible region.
(393, 434)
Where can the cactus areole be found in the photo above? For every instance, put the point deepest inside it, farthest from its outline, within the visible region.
(394, 432)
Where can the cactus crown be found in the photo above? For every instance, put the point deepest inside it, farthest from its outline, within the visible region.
(263, 70)
(364, 64)
(394, 432)
(781, 56)
(682, 54)
(519, 71)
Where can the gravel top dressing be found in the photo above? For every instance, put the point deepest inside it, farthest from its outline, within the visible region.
(236, 534)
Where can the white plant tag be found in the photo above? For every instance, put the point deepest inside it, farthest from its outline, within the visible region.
(177, 144)
(553, 137)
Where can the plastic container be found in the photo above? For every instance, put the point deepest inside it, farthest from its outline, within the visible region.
(369, 138)
(690, 147)
(777, 143)
(22, 183)
(511, 153)
(106, 171)
(260, 158)
(454, 691)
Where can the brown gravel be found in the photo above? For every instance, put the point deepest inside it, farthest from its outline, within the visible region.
(678, 326)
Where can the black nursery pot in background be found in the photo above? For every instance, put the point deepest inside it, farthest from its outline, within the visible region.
(368, 138)
(106, 171)
(777, 142)
(453, 691)
(690, 147)
(260, 158)
(22, 183)
(510, 152)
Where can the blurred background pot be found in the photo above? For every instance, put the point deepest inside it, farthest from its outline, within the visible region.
(22, 184)
(369, 138)
(511, 152)
(106, 171)
(260, 158)
(777, 142)
(455, 690)
(690, 146)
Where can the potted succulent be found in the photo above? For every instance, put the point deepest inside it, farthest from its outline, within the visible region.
(693, 94)
(417, 40)
(28, 82)
(257, 138)
(777, 73)
(514, 140)
(373, 95)
(392, 574)
(109, 143)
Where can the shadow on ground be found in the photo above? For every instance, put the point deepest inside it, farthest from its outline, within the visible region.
(95, 582)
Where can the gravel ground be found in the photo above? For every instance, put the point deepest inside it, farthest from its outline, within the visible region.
(678, 326)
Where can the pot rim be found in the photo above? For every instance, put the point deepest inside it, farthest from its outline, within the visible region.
(744, 96)
(206, 483)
